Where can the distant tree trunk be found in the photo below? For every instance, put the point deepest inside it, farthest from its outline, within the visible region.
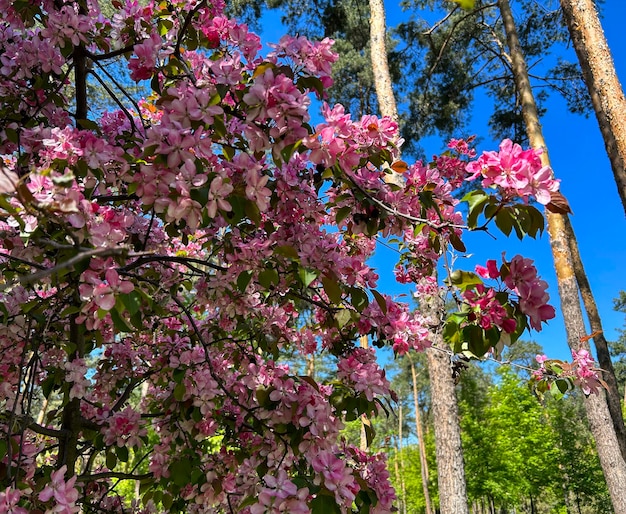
(420, 439)
(604, 87)
(400, 457)
(613, 464)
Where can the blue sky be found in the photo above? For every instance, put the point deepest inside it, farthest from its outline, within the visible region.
(579, 159)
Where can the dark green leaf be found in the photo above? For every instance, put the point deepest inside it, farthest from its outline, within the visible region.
(323, 504)
(380, 300)
(243, 280)
(332, 288)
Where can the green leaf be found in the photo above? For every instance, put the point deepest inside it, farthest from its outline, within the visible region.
(537, 222)
(380, 300)
(132, 301)
(167, 502)
(179, 392)
(341, 214)
(323, 504)
(307, 276)
(358, 299)
(476, 201)
(343, 317)
(331, 286)
(456, 242)
(504, 221)
(268, 278)
(287, 251)
(119, 323)
(180, 471)
(463, 279)
(111, 460)
(122, 453)
(243, 280)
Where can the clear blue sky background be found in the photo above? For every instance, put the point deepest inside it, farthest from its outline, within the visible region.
(579, 159)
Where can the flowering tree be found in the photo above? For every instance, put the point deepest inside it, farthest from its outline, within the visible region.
(156, 261)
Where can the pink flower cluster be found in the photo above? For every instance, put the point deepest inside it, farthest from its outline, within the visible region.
(517, 172)
(124, 428)
(520, 276)
(394, 323)
(63, 493)
(580, 372)
(586, 376)
(361, 371)
(316, 57)
(486, 310)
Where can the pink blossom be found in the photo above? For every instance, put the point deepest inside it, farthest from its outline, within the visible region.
(218, 192)
(63, 493)
(104, 293)
(144, 58)
(491, 271)
(256, 190)
(124, 428)
(586, 377)
(9, 499)
(517, 172)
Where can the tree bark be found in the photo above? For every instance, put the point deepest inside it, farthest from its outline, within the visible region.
(400, 457)
(607, 95)
(450, 465)
(602, 348)
(380, 63)
(420, 439)
(611, 460)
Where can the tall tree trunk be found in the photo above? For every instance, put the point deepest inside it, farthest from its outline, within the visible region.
(604, 87)
(450, 466)
(420, 438)
(613, 464)
(400, 457)
(602, 348)
(380, 63)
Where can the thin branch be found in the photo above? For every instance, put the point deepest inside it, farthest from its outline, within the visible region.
(22, 261)
(116, 100)
(110, 55)
(96, 252)
(144, 259)
(113, 474)
(395, 212)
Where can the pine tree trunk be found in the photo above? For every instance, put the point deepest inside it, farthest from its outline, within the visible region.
(611, 460)
(450, 466)
(380, 63)
(420, 439)
(400, 457)
(602, 348)
(604, 87)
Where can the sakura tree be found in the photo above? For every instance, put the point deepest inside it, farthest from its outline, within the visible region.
(158, 259)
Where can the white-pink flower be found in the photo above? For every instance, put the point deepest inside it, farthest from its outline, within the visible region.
(63, 494)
